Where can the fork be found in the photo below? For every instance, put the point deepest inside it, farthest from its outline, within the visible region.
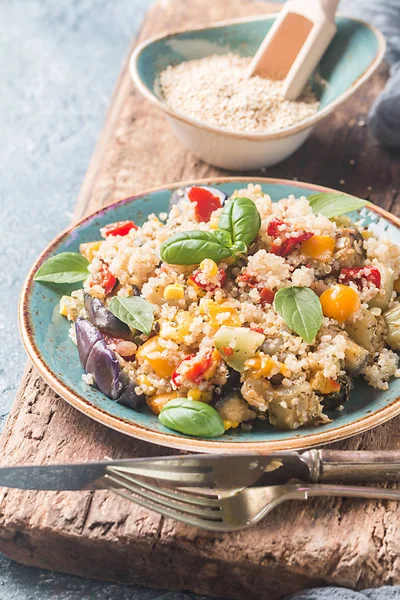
(232, 510)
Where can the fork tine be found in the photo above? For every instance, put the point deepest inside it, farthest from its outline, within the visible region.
(172, 514)
(189, 497)
(181, 507)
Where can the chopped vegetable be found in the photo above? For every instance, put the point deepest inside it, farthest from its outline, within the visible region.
(151, 352)
(367, 330)
(355, 358)
(339, 302)
(392, 319)
(339, 397)
(283, 245)
(105, 320)
(205, 203)
(174, 292)
(358, 275)
(318, 247)
(89, 249)
(120, 228)
(158, 401)
(104, 278)
(382, 298)
(241, 340)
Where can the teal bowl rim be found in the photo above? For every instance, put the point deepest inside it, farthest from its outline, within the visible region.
(320, 436)
(305, 124)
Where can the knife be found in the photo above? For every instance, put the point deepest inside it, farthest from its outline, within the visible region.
(211, 471)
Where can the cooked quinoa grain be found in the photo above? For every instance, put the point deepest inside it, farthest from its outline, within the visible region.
(217, 91)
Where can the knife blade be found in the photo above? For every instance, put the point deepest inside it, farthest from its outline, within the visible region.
(195, 470)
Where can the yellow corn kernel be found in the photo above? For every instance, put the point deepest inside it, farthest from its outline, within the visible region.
(212, 310)
(194, 394)
(209, 266)
(177, 329)
(150, 352)
(143, 380)
(230, 424)
(158, 401)
(367, 234)
(174, 292)
(319, 247)
(65, 306)
(397, 285)
(89, 248)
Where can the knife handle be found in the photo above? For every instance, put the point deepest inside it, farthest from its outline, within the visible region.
(349, 465)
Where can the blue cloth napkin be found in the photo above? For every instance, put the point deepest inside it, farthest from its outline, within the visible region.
(384, 116)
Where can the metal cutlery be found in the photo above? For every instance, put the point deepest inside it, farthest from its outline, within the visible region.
(213, 471)
(231, 510)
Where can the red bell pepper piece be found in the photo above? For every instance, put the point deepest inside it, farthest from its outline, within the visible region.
(273, 228)
(104, 278)
(205, 203)
(288, 244)
(206, 286)
(118, 228)
(267, 296)
(357, 274)
(195, 372)
(176, 377)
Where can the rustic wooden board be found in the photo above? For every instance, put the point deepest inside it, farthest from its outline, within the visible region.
(342, 542)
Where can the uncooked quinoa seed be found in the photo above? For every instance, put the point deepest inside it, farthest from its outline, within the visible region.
(217, 91)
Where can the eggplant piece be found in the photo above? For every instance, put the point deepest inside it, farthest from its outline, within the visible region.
(336, 399)
(104, 320)
(181, 194)
(368, 331)
(349, 249)
(102, 363)
(234, 408)
(392, 318)
(355, 358)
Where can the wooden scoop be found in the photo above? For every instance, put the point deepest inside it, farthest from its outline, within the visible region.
(295, 44)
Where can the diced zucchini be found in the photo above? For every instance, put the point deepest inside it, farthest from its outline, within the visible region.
(356, 358)
(237, 344)
(368, 331)
(382, 299)
(392, 318)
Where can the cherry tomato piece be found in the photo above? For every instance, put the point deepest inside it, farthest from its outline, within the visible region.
(288, 244)
(119, 228)
(104, 278)
(207, 286)
(357, 274)
(205, 203)
(274, 227)
(176, 377)
(267, 296)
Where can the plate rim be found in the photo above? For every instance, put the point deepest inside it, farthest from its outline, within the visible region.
(170, 440)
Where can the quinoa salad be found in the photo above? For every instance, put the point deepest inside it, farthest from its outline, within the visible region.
(231, 310)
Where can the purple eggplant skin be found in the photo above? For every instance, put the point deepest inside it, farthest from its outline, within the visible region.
(102, 363)
(104, 320)
(182, 194)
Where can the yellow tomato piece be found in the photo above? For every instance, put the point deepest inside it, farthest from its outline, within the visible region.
(220, 314)
(324, 385)
(158, 401)
(319, 247)
(262, 366)
(177, 329)
(339, 302)
(89, 249)
(151, 352)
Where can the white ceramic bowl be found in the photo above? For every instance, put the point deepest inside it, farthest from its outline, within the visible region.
(353, 56)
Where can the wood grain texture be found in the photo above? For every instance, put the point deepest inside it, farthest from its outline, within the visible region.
(342, 542)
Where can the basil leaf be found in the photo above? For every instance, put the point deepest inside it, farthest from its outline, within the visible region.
(241, 219)
(223, 238)
(191, 247)
(66, 267)
(192, 418)
(333, 205)
(301, 310)
(136, 312)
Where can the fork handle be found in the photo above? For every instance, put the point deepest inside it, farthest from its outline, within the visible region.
(348, 465)
(348, 491)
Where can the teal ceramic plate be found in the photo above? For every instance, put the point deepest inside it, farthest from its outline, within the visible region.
(45, 336)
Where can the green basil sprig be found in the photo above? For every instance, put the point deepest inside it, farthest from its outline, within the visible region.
(66, 267)
(241, 219)
(333, 205)
(136, 312)
(192, 418)
(301, 310)
(240, 225)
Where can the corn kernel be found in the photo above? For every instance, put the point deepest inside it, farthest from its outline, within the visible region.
(230, 424)
(174, 292)
(65, 304)
(89, 249)
(143, 380)
(209, 266)
(194, 394)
